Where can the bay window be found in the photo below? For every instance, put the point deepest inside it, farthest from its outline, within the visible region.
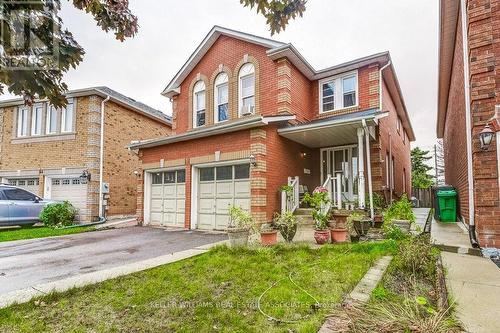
(22, 121)
(199, 104)
(221, 98)
(339, 92)
(36, 120)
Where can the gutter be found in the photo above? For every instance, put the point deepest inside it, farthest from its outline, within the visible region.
(380, 82)
(101, 159)
(468, 126)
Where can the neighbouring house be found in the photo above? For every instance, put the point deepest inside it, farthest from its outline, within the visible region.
(469, 87)
(53, 152)
(250, 115)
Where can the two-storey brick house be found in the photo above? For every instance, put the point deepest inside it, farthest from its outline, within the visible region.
(469, 91)
(52, 152)
(250, 112)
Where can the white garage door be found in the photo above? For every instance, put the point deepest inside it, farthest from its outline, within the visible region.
(218, 188)
(168, 198)
(29, 184)
(70, 189)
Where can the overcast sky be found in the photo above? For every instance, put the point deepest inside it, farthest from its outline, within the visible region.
(331, 32)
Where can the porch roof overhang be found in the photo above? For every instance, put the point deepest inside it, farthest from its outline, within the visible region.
(226, 127)
(333, 131)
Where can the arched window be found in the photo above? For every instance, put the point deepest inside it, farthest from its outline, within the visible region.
(221, 98)
(246, 89)
(199, 104)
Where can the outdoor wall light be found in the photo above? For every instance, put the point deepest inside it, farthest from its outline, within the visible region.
(303, 154)
(486, 137)
(85, 175)
(253, 161)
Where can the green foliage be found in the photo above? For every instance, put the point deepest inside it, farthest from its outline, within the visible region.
(317, 200)
(419, 176)
(399, 210)
(8, 235)
(378, 201)
(277, 12)
(379, 293)
(58, 215)
(47, 82)
(240, 219)
(286, 224)
(417, 257)
(355, 216)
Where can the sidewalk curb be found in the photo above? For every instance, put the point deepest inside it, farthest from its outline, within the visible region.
(26, 294)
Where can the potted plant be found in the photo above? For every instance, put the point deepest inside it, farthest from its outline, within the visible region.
(340, 217)
(286, 224)
(399, 215)
(241, 223)
(318, 201)
(359, 223)
(268, 234)
(378, 206)
(339, 233)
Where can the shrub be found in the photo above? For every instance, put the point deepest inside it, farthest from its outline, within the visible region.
(318, 201)
(417, 257)
(240, 219)
(58, 215)
(286, 224)
(399, 210)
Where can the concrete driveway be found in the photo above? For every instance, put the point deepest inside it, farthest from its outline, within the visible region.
(31, 262)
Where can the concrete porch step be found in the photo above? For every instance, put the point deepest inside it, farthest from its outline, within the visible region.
(303, 211)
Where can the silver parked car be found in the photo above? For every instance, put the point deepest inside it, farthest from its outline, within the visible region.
(20, 207)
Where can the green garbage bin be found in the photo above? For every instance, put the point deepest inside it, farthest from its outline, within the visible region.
(447, 200)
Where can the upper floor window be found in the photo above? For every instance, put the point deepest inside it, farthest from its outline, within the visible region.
(246, 89)
(339, 92)
(22, 121)
(36, 120)
(199, 104)
(67, 115)
(51, 122)
(221, 98)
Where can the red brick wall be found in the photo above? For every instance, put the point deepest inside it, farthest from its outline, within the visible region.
(390, 139)
(454, 140)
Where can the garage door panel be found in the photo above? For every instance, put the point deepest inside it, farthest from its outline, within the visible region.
(169, 191)
(70, 189)
(180, 218)
(169, 218)
(206, 206)
(242, 189)
(222, 205)
(156, 191)
(206, 190)
(156, 218)
(206, 221)
(156, 205)
(221, 222)
(181, 190)
(169, 205)
(224, 189)
(243, 203)
(181, 205)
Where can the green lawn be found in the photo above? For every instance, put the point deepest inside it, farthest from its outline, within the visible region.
(213, 292)
(38, 232)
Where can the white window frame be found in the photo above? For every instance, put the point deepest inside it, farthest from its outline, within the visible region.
(36, 119)
(199, 88)
(338, 96)
(246, 70)
(22, 121)
(221, 80)
(64, 114)
(50, 108)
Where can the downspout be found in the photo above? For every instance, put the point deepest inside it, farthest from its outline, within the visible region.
(468, 126)
(369, 168)
(380, 86)
(101, 158)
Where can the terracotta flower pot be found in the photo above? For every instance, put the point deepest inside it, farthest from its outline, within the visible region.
(268, 238)
(322, 236)
(339, 235)
(378, 220)
(340, 219)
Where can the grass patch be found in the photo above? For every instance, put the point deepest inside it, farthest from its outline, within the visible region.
(38, 232)
(213, 292)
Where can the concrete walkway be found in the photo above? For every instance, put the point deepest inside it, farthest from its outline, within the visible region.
(421, 215)
(451, 237)
(474, 284)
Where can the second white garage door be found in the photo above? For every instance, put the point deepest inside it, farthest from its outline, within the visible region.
(218, 188)
(70, 189)
(29, 184)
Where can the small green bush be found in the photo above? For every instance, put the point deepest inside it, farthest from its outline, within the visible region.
(58, 215)
(399, 210)
(417, 256)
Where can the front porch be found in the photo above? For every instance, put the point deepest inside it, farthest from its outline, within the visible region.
(342, 146)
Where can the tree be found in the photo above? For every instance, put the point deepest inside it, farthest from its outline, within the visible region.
(277, 12)
(439, 162)
(419, 173)
(36, 51)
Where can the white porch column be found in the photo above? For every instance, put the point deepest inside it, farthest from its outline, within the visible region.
(369, 170)
(361, 169)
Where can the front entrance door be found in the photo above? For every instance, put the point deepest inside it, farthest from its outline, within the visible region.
(342, 161)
